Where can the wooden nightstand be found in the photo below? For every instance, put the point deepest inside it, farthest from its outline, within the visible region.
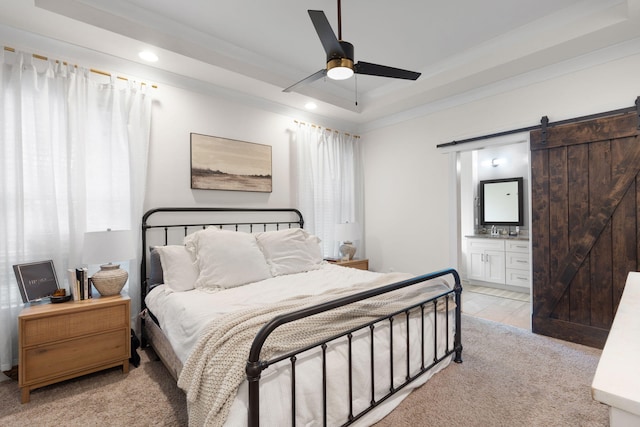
(361, 264)
(62, 341)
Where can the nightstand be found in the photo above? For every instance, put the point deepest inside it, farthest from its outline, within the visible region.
(361, 264)
(62, 341)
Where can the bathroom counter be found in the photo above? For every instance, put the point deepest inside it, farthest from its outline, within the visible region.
(499, 236)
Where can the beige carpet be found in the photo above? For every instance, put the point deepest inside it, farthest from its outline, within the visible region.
(147, 396)
(509, 378)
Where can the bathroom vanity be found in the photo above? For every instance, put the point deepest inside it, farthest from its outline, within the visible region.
(499, 260)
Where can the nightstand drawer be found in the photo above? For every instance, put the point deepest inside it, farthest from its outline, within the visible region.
(69, 325)
(67, 357)
(361, 264)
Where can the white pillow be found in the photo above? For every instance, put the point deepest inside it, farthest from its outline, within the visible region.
(179, 268)
(226, 259)
(290, 251)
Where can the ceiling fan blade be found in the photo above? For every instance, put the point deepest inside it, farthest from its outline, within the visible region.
(384, 71)
(312, 78)
(327, 37)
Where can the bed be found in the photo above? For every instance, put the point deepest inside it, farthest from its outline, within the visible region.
(257, 329)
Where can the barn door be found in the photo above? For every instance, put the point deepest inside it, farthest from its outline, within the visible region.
(585, 227)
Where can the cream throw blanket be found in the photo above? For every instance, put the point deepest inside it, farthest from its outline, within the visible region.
(216, 367)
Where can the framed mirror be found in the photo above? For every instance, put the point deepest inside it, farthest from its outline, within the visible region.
(501, 202)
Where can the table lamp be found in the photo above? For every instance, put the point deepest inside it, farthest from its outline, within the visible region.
(108, 246)
(347, 233)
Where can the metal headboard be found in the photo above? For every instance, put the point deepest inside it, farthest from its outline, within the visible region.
(191, 219)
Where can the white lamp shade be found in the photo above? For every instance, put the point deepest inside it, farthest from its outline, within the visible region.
(102, 247)
(347, 232)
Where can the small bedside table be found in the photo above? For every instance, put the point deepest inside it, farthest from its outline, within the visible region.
(62, 341)
(361, 264)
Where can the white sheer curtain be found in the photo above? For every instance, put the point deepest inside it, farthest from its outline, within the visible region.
(329, 180)
(73, 158)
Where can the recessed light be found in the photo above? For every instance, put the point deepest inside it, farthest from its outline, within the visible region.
(310, 105)
(148, 56)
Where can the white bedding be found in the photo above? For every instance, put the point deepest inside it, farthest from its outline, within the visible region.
(184, 315)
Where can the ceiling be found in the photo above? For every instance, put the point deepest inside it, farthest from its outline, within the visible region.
(257, 48)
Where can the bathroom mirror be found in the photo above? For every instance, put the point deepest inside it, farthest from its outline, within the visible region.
(501, 202)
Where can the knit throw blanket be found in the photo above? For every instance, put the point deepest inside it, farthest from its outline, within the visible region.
(216, 366)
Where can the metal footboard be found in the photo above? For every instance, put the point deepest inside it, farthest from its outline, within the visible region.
(255, 366)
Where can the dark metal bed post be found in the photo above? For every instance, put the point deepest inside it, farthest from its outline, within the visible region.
(143, 278)
(457, 339)
(253, 378)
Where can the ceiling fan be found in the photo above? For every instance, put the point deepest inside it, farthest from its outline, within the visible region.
(340, 64)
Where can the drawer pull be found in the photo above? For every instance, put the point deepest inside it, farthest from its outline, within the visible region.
(522, 261)
(522, 278)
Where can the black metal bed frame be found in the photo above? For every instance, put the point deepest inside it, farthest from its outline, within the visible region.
(255, 365)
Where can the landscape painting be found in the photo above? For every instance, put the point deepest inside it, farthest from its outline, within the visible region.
(226, 164)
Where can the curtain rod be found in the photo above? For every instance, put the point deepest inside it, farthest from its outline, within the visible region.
(93, 70)
(545, 123)
(320, 127)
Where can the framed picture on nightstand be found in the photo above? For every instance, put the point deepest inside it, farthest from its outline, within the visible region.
(36, 280)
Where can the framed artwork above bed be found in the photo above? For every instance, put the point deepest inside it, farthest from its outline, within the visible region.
(227, 164)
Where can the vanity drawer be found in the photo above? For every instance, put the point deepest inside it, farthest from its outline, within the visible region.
(517, 261)
(517, 246)
(518, 277)
(485, 243)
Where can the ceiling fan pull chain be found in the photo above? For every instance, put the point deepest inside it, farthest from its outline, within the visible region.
(356, 81)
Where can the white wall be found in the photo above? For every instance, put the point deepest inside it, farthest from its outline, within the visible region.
(408, 180)
(178, 112)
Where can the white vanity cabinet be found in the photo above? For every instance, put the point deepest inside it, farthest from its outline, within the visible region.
(486, 260)
(497, 260)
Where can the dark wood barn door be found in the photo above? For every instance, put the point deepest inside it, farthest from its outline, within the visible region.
(585, 224)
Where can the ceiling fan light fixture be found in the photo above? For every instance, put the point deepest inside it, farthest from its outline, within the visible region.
(340, 68)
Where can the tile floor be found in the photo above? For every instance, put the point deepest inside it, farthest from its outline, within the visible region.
(511, 308)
